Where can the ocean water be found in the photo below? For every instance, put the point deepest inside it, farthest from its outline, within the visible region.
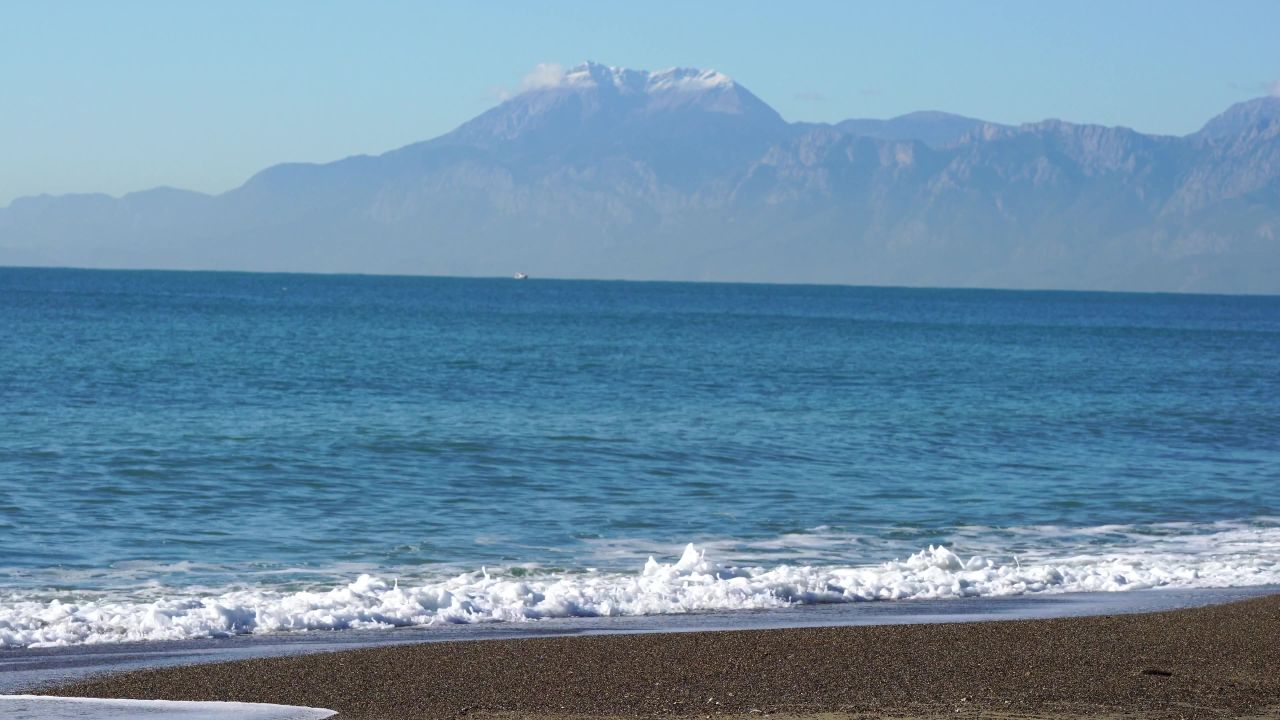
(189, 455)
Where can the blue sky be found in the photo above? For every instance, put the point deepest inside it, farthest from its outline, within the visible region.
(121, 96)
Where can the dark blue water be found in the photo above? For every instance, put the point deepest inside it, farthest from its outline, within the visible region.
(235, 430)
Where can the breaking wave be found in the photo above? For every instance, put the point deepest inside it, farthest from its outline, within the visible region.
(693, 583)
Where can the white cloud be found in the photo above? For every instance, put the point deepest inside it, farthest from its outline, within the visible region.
(1273, 89)
(543, 75)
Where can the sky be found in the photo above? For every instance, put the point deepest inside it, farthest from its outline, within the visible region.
(132, 94)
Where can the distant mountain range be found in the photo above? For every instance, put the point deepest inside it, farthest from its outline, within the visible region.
(686, 175)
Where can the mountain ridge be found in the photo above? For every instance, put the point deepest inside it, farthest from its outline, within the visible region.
(685, 174)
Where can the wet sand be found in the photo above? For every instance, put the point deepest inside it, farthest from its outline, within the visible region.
(1210, 662)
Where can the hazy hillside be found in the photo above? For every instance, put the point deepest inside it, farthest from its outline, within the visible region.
(685, 174)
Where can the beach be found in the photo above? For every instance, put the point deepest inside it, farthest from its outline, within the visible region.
(1214, 661)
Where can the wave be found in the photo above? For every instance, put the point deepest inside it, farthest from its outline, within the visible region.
(76, 708)
(1241, 556)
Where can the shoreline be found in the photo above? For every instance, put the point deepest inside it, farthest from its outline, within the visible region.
(24, 668)
(1210, 661)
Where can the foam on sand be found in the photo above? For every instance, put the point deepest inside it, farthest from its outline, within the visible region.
(37, 707)
(1228, 558)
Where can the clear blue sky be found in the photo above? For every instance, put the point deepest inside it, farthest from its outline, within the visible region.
(129, 94)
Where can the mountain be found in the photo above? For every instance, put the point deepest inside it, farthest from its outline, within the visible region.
(935, 129)
(685, 174)
(1242, 118)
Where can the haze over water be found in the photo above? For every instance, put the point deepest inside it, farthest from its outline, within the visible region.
(170, 438)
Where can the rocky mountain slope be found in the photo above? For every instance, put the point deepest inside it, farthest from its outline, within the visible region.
(685, 174)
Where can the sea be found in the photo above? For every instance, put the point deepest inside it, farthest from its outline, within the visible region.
(189, 456)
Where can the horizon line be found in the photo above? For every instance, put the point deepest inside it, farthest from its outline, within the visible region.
(641, 281)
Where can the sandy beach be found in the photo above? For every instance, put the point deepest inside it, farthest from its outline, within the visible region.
(1216, 661)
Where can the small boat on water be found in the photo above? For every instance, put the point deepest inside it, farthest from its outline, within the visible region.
(521, 276)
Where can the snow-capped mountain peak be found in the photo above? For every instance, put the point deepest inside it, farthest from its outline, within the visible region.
(594, 104)
(690, 79)
(595, 75)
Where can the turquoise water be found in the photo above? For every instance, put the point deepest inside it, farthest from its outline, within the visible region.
(189, 434)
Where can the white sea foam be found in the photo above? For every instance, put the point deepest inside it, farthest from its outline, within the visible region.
(35, 707)
(1166, 558)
